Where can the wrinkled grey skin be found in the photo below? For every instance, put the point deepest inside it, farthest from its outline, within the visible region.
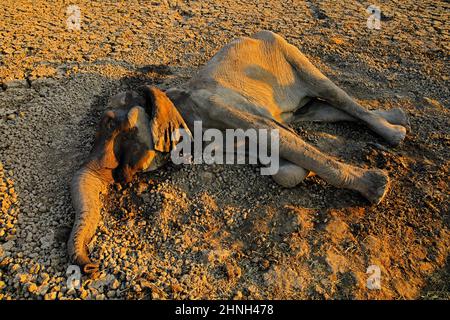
(260, 82)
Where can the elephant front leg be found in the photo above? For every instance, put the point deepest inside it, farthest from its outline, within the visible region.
(371, 183)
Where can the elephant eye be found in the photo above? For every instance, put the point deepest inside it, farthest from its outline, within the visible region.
(110, 123)
(113, 123)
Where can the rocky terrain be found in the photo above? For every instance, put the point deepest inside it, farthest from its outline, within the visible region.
(223, 232)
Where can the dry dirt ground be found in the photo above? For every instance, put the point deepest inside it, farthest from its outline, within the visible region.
(223, 231)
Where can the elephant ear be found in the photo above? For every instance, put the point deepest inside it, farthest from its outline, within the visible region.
(164, 119)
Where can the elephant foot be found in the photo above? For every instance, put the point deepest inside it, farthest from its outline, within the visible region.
(394, 116)
(393, 134)
(374, 185)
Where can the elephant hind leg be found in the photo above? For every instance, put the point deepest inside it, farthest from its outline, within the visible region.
(321, 111)
(319, 86)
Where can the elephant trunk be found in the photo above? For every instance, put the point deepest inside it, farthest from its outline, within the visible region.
(87, 184)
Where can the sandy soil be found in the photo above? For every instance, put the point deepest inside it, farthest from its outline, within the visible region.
(223, 231)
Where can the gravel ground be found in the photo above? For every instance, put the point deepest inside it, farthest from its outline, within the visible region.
(223, 231)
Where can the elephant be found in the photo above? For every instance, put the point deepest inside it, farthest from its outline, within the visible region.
(260, 82)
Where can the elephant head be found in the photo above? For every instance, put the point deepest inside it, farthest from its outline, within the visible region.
(134, 134)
